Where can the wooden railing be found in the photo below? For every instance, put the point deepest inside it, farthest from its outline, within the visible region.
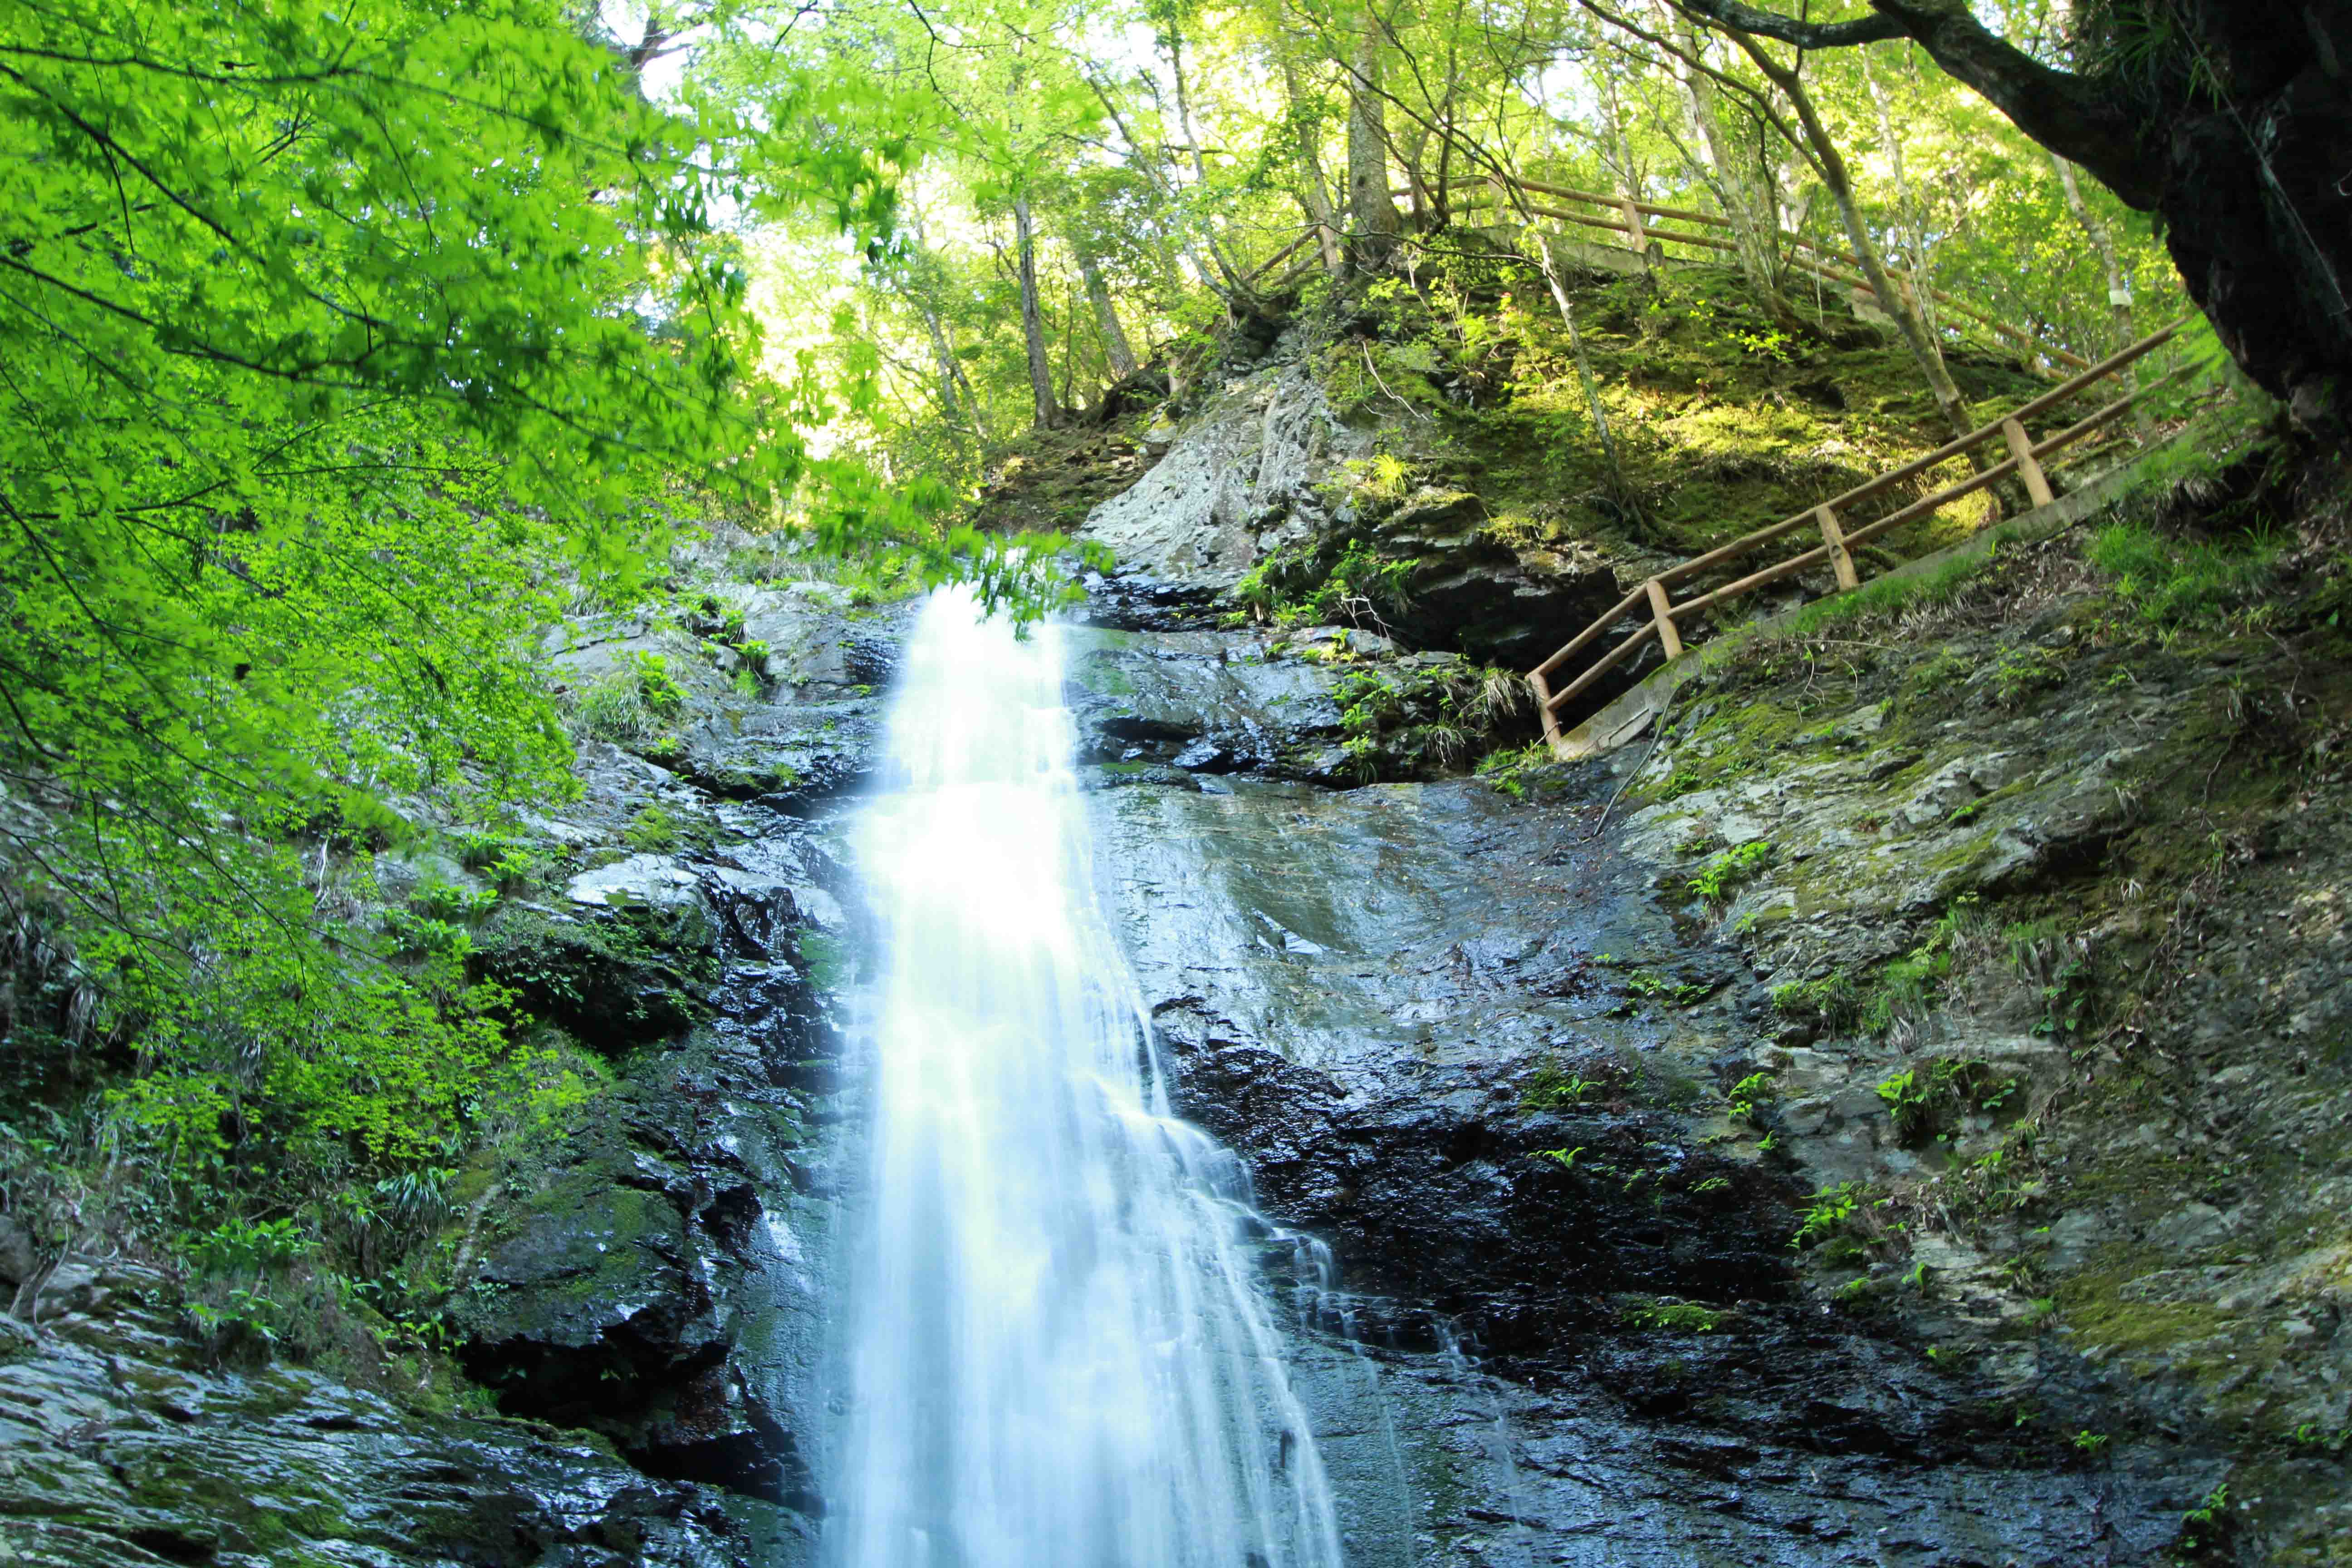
(1626, 217)
(2024, 460)
(1830, 265)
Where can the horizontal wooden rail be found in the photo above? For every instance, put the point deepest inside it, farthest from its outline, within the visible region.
(1667, 618)
(1480, 192)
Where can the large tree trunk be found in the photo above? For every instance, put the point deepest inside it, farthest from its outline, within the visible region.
(1033, 318)
(1374, 222)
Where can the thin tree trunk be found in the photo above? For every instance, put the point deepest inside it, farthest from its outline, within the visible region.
(1831, 165)
(952, 379)
(1621, 153)
(1175, 38)
(1033, 318)
(1116, 347)
(1310, 158)
(1373, 220)
(1915, 241)
(2103, 240)
(1620, 487)
(1746, 196)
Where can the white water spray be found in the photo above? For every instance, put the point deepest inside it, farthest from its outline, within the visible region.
(1059, 1352)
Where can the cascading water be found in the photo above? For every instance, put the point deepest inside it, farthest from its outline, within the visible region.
(1059, 1354)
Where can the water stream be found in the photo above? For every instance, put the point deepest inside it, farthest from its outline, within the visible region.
(1060, 1353)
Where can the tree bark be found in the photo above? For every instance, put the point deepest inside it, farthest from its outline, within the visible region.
(2104, 242)
(1310, 160)
(1373, 221)
(1116, 348)
(1748, 203)
(1830, 163)
(1033, 318)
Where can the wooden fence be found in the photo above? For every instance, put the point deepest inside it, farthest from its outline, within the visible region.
(1836, 549)
(1621, 215)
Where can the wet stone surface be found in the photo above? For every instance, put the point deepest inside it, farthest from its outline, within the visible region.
(1358, 990)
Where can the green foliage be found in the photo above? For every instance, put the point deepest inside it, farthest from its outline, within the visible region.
(2021, 672)
(1922, 1103)
(653, 830)
(1359, 586)
(2205, 1526)
(1740, 1102)
(1552, 1087)
(2170, 585)
(1829, 1212)
(1508, 770)
(1675, 1317)
(1718, 878)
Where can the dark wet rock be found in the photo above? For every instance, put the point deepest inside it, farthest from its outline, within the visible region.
(121, 1449)
(626, 958)
(1366, 996)
(649, 1276)
(1471, 592)
(1198, 702)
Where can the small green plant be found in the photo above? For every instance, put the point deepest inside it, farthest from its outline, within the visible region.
(1551, 1086)
(631, 704)
(1675, 1317)
(440, 900)
(1740, 1102)
(1649, 986)
(2089, 1442)
(2205, 1529)
(653, 830)
(1922, 1103)
(1507, 770)
(1564, 1158)
(1830, 1210)
(1719, 876)
(2021, 672)
(242, 1249)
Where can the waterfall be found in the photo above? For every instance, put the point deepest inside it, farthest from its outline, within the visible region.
(1058, 1351)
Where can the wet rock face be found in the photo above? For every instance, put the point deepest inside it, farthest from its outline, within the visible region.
(631, 1261)
(123, 1450)
(1476, 1052)
(1239, 482)
(804, 731)
(1262, 470)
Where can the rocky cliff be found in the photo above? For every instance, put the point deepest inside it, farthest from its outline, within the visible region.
(1891, 1112)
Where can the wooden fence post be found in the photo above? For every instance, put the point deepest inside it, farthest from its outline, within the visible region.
(1840, 559)
(1662, 609)
(2020, 446)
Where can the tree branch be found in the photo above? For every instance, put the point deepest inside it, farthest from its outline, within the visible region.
(2068, 114)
